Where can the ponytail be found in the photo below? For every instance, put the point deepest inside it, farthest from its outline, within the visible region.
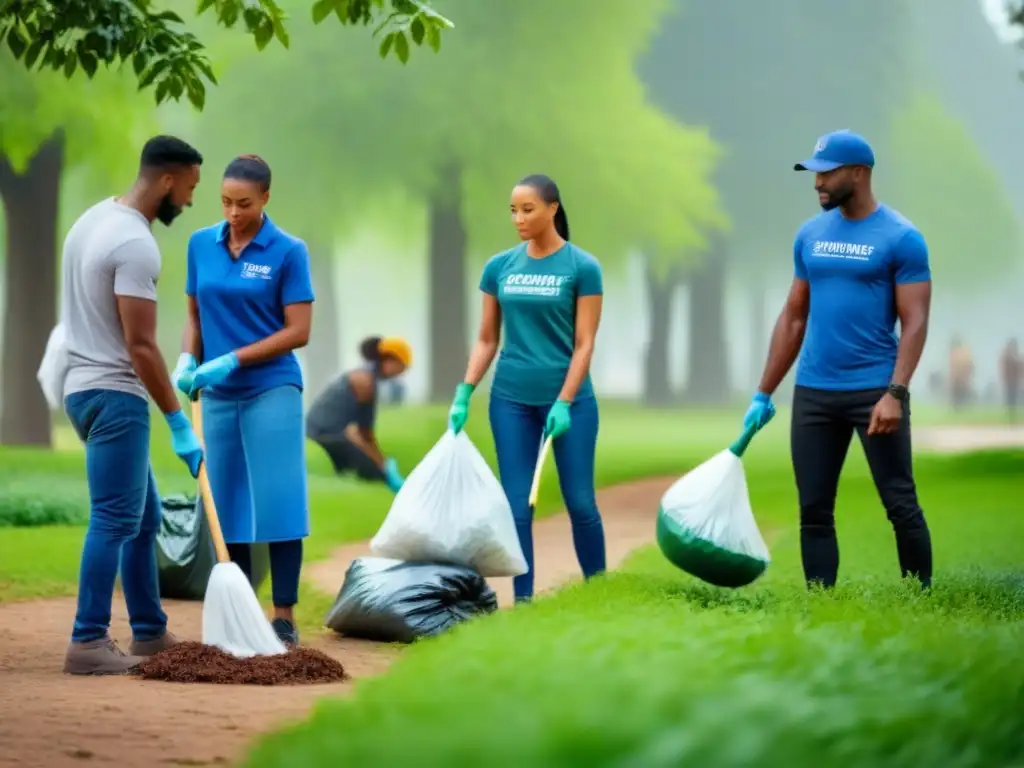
(561, 222)
(369, 348)
(548, 192)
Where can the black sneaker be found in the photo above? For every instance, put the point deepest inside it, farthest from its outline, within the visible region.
(286, 632)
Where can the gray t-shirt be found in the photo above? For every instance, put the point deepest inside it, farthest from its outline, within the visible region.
(110, 251)
(336, 407)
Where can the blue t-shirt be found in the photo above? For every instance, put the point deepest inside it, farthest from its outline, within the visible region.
(241, 301)
(852, 268)
(538, 308)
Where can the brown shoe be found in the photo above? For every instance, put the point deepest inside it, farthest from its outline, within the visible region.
(98, 657)
(152, 647)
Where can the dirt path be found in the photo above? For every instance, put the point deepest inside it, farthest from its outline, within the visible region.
(49, 719)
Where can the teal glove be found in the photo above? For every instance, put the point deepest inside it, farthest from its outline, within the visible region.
(214, 372)
(459, 412)
(760, 412)
(182, 376)
(392, 477)
(559, 420)
(183, 439)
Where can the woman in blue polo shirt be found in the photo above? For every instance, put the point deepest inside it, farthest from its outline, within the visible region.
(548, 293)
(250, 299)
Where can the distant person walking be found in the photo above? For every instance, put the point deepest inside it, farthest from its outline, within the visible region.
(547, 292)
(858, 266)
(342, 419)
(961, 373)
(111, 263)
(1011, 369)
(250, 306)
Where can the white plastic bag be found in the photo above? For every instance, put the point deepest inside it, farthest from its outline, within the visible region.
(452, 509)
(707, 528)
(54, 368)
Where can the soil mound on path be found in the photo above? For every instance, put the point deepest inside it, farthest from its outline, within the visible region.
(192, 662)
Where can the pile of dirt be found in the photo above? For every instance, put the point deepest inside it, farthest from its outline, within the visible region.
(192, 662)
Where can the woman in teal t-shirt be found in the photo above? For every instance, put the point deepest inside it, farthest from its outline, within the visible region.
(548, 293)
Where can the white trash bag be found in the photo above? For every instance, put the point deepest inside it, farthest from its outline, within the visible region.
(451, 509)
(54, 368)
(706, 526)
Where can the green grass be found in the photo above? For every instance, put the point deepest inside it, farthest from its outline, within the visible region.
(647, 667)
(42, 561)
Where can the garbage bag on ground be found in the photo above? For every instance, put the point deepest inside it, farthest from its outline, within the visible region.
(393, 601)
(452, 509)
(184, 550)
(706, 526)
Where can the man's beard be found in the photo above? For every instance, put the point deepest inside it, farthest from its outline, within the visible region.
(837, 198)
(167, 211)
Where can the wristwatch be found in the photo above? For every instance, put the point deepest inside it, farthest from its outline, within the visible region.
(898, 391)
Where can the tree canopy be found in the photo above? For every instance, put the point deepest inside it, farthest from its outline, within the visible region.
(940, 180)
(164, 55)
(502, 101)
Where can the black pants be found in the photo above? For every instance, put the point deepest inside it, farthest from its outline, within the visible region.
(285, 568)
(822, 428)
(346, 456)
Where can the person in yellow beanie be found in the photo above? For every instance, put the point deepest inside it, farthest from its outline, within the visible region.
(342, 417)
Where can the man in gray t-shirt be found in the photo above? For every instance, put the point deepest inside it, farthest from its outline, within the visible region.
(111, 265)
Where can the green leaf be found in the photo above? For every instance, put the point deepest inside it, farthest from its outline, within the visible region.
(417, 30)
(434, 35)
(154, 72)
(139, 62)
(89, 63)
(386, 43)
(281, 32)
(263, 34)
(16, 43)
(168, 16)
(162, 91)
(70, 64)
(197, 94)
(203, 6)
(32, 54)
(322, 9)
(401, 47)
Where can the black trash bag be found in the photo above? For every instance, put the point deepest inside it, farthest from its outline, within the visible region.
(393, 601)
(184, 550)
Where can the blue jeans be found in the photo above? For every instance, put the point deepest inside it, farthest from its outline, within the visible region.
(124, 514)
(518, 430)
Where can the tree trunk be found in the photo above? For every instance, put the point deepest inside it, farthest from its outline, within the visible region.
(660, 300)
(449, 342)
(31, 206)
(323, 357)
(708, 381)
(759, 333)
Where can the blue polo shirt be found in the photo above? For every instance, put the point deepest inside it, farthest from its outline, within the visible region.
(853, 268)
(241, 301)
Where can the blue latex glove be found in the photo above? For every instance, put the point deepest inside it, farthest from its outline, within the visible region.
(559, 420)
(183, 372)
(459, 412)
(183, 439)
(214, 372)
(760, 412)
(392, 477)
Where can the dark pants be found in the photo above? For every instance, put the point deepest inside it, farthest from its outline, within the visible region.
(285, 568)
(822, 427)
(346, 456)
(517, 432)
(124, 514)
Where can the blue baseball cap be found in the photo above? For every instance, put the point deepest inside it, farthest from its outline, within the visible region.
(836, 149)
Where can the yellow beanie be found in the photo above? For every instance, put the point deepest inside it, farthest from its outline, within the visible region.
(396, 347)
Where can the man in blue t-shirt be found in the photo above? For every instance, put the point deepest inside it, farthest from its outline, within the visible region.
(865, 265)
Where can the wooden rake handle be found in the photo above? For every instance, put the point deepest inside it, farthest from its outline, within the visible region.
(204, 489)
(535, 488)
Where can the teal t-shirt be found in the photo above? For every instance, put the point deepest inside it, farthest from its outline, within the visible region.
(538, 308)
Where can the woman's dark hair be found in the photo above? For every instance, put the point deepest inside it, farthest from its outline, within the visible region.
(368, 348)
(548, 191)
(249, 168)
